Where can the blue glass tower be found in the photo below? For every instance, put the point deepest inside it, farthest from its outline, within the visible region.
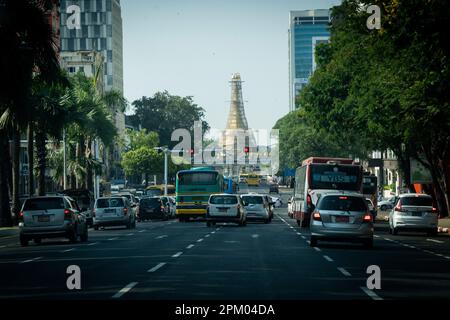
(306, 29)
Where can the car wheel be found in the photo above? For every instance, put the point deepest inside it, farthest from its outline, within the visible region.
(305, 223)
(368, 244)
(432, 232)
(383, 207)
(84, 236)
(267, 221)
(23, 241)
(244, 223)
(96, 228)
(395, 231)
(313, 242)
(37, 240)
(208, 224)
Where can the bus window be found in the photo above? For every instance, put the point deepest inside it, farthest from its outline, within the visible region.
(335, 177)
(198, 178)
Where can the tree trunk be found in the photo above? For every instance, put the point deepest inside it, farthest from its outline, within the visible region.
(16, 172)
(89, 175)
(5, 210)
(41, 160)
(146, 180)
(30, 134)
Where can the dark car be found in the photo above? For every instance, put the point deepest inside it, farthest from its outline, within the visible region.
(273, 188)
(85, 200)
(152, 208)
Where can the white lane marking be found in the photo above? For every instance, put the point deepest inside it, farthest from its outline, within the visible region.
(199, 240)
(434, 240)
(158, 266)
(31, 260)
(190, 246)
(176, 255)
(376, 236)
(446, 257)
(299, 233)
(231, 241)
(130, 234)
(387, 239)
(303, 237)
(344, 272)
(207, 236)
(428, 251)
(317, 249)
(124, 290)
(141, 231)
(254, 236)
(161, 237)
(309, 242)
(371, 294)
(92, 244)
(328, 258)
(1, 247)
(213, 232)
(112, 239)
(68, 250)
(217, 229)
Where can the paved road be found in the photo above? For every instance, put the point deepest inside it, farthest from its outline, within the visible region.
(172, 260)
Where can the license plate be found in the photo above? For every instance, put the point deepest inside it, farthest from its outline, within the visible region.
(223, 209)
(110, 210)
(342, 219)
(44, 218)
(149, 210)
(417, 214)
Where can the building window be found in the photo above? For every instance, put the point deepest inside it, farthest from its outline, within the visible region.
(81, 69)
(71, 69)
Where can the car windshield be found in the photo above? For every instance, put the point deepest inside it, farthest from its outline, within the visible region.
(253, 199)
(150, 203)
(223, 200)
(342, 203)
(110, 203)
(417, 201)
(44, 204)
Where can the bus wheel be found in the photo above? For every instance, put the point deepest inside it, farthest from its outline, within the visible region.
(208, 224)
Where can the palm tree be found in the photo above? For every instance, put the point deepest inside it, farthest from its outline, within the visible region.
(27, 46)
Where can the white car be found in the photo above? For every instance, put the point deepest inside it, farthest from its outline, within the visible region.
(414, 212)
(257, 207)
(113, 211)
(226, 208)
(291, 207)
(277, 202)
(386, 204)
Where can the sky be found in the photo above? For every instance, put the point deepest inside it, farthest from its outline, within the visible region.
(192, 48)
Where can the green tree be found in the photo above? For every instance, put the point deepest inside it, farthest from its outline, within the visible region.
(142, 161)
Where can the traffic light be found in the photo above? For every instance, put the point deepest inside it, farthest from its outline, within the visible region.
(246, 150)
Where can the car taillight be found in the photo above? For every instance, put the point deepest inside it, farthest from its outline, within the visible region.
(93, 212)
(398, 207)
(367, 217)
(21, 215)
(125, 211)
(434, 210)
(316, 216)
(67, 214)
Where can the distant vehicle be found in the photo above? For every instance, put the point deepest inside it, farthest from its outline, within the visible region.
(253, 180)
(243, 178)
(257, 207)
(372, 208)
(51, 217)
(113, 211)
(290, 207)
(387, 204)
(277, 202)
(193, 189)
(226, 208)
(414, 212)
(153, 208)
(132, 199)
(316, 176)
(273, 188)
(230, 186)
(342, 217)
(370, 187)
(85, 200)
(170, 206)
(158, 190)
(270, 206)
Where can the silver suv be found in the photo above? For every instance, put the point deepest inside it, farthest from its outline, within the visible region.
(113, 211)
(342, 217)
(51, 217)
(257, 207)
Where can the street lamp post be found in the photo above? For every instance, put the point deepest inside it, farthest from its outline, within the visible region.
(166, 152)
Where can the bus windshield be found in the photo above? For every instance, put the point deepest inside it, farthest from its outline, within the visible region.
(198, 178)
(343, 177)
(369, 185)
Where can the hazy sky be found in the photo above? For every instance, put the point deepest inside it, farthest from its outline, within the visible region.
(192, 47)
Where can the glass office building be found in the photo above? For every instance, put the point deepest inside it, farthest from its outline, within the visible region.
(100, 30)
(306, 29)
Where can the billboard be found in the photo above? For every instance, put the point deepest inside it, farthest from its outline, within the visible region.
(419, 174)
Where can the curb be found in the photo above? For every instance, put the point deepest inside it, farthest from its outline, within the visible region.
(443, 230)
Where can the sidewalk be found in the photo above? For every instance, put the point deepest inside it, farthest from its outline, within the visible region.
(8, 232)
(444, 225)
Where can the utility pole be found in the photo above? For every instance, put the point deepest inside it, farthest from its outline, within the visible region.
(64, 160)
(166, 152)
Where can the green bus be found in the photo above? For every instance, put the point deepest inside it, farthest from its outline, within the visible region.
(193, 188)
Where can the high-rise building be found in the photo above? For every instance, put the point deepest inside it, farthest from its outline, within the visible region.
(307, 28)
(99, 29)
